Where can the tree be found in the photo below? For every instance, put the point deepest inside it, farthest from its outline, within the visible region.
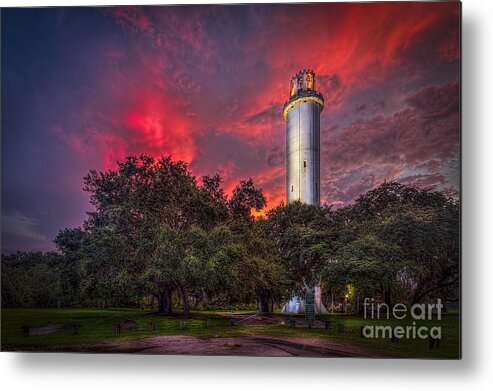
(398, 238)
(257, 272)
(149, 206)
(246, 196)
(152, 229)
(304, 239)
(35, 279)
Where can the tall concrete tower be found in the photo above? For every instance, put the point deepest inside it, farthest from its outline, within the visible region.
(302, 115)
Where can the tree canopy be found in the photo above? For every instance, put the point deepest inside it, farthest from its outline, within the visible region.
(158, 236)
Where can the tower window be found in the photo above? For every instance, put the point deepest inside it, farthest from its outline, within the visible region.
(292, 187)
(304, 163)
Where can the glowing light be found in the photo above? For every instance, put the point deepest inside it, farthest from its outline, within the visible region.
(290, 105)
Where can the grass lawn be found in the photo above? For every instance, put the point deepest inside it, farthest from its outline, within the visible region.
(96, 325)
(412, 348)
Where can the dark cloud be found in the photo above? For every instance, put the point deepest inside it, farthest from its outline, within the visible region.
(436, 102)
(370, 108)
(422, 136)
(333, 90)
(268, 115)
(133, 18)
(21, 231)
(428, 181)
(276, 157)
(83, 87)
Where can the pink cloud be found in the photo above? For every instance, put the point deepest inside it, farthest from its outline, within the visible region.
(422, 136)
(178, 90)
(132, 18)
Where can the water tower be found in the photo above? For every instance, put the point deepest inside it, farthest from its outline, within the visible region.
(302, 115)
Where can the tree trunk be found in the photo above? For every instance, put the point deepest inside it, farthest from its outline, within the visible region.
(164, 300)
(169, 302)
(184, 298)
(417, 294)
(264, 304)
(388, 297)
(361, 308)
(416, 298)
(162, 303)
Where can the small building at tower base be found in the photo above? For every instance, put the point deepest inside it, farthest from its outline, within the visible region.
(296, 305)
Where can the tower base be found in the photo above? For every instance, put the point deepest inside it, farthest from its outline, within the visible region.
(296, 305)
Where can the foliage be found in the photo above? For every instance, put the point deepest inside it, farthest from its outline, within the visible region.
(304, 239)
(38, 280)
(157, 236)
(397, 239)
(156, 231)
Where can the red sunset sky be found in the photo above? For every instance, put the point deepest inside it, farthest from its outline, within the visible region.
(84, 87)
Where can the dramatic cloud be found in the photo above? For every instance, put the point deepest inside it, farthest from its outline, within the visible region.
(22, 232)
(84, 87)
(413, 144)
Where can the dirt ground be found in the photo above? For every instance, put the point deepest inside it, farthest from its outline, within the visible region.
(232, 346)
(258, 319)
(247, 345)
(48, 329)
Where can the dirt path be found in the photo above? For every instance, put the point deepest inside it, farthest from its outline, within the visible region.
(230, 346)
(48, 329)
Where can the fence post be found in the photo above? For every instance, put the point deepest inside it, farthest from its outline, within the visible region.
(75, 328)
(433, 343)
(25, 331)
